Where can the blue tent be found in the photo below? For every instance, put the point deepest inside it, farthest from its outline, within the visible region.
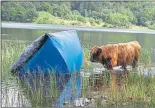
(60, 52)
(71, 92)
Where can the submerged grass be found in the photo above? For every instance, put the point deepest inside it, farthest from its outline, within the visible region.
(136, 91)
(130, 90)
(42, 92)
(86, 63)
(145, 58)
(10, 52)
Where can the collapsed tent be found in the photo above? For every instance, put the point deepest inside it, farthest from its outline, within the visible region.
(59, 52)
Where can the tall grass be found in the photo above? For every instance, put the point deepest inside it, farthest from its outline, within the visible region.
(137, 91)
(129, 90)
(41, 91)
(10, 52)
(145, 58)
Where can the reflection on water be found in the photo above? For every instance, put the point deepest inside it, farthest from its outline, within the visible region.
(104, 80)
(62, 90)
(101, 79)
(147, 71)
(54, 90)
(13, 97)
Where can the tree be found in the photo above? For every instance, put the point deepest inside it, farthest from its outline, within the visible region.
(118, 14)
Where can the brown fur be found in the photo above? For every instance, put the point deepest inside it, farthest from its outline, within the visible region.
(117, 54)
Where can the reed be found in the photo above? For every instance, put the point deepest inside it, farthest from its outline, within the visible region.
(131, 90)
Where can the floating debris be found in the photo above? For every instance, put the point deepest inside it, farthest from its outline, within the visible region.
(81, 102)
(89, 102)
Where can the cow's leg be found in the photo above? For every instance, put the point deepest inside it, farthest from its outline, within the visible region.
(124, 66)
(108, 66)
(135, 63)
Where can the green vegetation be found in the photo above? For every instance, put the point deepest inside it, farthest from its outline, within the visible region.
(135, 91)
(99, 14)
(129, 90)
(126, 90)
(86, 63)
(10, 52)
(145, 58)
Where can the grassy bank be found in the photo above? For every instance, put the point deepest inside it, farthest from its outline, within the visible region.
(47, 18)
(106, 89)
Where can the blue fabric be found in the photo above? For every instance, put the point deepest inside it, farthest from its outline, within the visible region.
(71, 92)
(68, 45)
(62, 52)
(46, 60)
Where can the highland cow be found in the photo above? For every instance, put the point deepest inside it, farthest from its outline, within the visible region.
(121, 54)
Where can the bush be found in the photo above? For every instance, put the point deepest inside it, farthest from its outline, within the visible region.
(76, 23)
(151, 26)
(118, 20)
(107, 25)
(91, 20)
(98, 21)
(43, 18)
(82, 19)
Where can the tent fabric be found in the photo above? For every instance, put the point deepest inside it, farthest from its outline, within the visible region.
(28, 53)
(69, 94)
(61, 52)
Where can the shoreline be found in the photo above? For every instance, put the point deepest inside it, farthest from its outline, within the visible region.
(133, 27)
(67, 27)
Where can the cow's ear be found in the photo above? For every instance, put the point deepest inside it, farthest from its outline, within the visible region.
(99, 51)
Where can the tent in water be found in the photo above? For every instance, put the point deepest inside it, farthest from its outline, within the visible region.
(61, 52)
